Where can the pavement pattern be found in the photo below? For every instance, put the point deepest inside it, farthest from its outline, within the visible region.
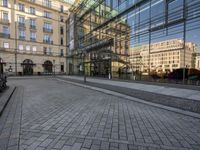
(56, 115)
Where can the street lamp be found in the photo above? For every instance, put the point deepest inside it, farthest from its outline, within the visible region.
(83, 63)
(54, 69)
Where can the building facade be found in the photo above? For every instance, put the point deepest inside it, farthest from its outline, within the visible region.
(197, 61)
(105, 50)
(163, 29)
(33, 36)
(165, 56)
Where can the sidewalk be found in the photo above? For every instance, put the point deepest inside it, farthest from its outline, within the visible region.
(157, 89)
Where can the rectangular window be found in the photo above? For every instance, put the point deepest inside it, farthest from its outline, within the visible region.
(21, 7)
(61, 30)
(47, 39)
(33, 36)
(32, 10)
(47, 14)
(61, 52)
(5, 30)
(5, 3)
(5, 45)
(61, 18)
(61, 8)
(21, 34)
(28, 48)
(62, 67)
(61, 41)
(47, 25)
(21, 47)
(5, 16)
(47, 3)
(34, 48)
(32, 23)
(21, 21)
(175, 10)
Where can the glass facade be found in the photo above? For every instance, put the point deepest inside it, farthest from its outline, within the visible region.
(137, 39)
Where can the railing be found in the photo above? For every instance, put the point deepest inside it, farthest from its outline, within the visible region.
(47, 30)
(33, 27)
(33, 39)
(48, 41)
(20, 24)
(5, 21)
(4, 35)
(22, 37)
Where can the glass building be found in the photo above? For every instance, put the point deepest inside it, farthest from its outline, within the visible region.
(136, 39)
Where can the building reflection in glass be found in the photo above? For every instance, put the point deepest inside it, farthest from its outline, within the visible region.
(148, 37)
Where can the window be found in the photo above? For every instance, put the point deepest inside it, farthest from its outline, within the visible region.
(21, 20)
(5, 16)
(21, 34)
(32, 1)
(5, 3)
(61, 41)
(61, 30)
(21, 7)
(28, 48)
(47, 39)
(32, 10)
(47, 3)
(61, 8)
(175, 10)
(5, 45)
(21, 47)
(61, 52)
(32, 36)
(47, 14)
(47, 51)
(32, 23)
(34, 48)
(61, 18)
(5, 30)
(47, 25)
(62, 67)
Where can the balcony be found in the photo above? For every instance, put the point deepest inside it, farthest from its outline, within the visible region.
(47, 30)
(4, 35)
(33, 39)
(33, 27)
(22, 37)
(4, 21)
(21, 25)
(47, 41)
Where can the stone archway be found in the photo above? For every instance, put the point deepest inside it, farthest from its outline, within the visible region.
(27, 67)
(48, 66)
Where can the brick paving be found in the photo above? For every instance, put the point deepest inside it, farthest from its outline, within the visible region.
(57, 115)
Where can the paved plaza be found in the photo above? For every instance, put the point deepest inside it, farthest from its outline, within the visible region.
(45, 113)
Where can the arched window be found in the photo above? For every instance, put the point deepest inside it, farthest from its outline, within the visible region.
(48, 65)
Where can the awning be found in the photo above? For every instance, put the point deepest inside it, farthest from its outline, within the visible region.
(27, 64)
(47, 64)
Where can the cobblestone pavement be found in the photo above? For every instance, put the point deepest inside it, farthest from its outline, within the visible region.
(57, 115)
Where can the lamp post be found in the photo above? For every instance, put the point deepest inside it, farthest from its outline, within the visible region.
(54, 68)
(83, 64)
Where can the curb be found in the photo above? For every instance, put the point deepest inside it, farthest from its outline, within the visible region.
(180, 111)
(5, 98)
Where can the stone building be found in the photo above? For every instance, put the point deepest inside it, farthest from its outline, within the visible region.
(163, 57)
(33, 36)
